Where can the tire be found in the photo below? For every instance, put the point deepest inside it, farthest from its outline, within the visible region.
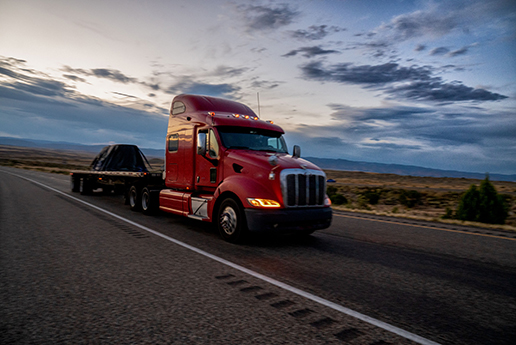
(231, 221)
(75, 184)
(149, 201)
(135, 201)
(85, 187)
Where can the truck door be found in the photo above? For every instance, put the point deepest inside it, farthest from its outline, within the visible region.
(207, 159)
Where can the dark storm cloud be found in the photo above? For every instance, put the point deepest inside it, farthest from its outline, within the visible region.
(315, 32)
(267, 18)
(418, 82)
(310, 52)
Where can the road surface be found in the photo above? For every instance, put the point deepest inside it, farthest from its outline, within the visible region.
(85, 269)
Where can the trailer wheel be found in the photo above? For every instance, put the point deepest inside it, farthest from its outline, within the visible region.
(85, 187)
(134, 199)
(75, 184)
(231, 221)
(149, 201)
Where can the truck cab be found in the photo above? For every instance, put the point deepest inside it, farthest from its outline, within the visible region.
(224, 164)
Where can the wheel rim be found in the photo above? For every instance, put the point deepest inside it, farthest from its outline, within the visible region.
(228, 221)
(145, 201)
(132, 198)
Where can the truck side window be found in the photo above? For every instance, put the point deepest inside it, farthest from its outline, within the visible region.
(201, 142)
(173, 143)
(178, 108)
(213, 145)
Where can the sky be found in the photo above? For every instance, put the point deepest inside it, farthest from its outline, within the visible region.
(426, 83)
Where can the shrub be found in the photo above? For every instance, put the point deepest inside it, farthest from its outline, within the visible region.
(410, 198)
(338, 199)
(483, 204)
(372, 196)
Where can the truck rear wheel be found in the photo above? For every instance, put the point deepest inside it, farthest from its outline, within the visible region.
(135, 201)
(85, 187)
(149, 201)
(75, 184)
(231, 221)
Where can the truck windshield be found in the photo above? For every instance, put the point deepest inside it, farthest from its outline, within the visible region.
(252, 139)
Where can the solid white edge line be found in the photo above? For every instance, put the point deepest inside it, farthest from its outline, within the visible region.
(393, 329)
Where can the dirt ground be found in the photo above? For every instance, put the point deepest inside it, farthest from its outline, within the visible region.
(428, 198)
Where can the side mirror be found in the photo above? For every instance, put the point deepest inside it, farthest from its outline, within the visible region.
(297, 152)
(201, 143)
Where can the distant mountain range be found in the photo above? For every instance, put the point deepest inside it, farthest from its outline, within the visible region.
(325, 163)
(398, 169)
(62, 145)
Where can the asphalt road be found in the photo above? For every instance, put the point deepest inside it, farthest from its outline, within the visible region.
(70, 273)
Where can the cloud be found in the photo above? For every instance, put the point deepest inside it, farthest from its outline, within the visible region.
(310, 52)
(105, 73)
(451, 137)
(190, 85)
(444, 92)
(226, 71)
(439, 51)
(420, 47)
(364, 74)
(421, 23)
(458, 52)
(315, 32)
(263, 18)
(414, 82)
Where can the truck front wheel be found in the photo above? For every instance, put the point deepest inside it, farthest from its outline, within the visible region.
(231, 221)
(134, 199)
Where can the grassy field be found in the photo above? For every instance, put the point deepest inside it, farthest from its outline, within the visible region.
(426, 198)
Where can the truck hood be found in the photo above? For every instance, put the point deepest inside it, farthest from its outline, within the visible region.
(249, 159)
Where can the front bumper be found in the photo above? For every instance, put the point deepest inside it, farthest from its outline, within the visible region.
(288, 220)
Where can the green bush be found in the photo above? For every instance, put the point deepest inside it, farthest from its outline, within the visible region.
(482, 205)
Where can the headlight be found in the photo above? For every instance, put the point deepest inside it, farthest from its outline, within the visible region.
(266, 203)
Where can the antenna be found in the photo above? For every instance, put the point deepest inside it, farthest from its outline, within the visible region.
(258, 97)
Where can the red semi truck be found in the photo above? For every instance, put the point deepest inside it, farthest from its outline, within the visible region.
(223, 164)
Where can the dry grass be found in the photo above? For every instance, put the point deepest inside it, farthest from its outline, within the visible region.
(436, 195)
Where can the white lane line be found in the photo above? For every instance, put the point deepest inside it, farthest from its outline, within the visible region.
(408, 335)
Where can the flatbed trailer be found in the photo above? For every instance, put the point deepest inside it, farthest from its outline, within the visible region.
(135, 185)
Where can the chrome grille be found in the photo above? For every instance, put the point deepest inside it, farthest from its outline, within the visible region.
(303, 188)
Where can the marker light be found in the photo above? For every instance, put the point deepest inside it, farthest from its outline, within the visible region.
(236, 115)
(211, 113)
(255, 118)
(263, 203)
(247, 117)
(270, 122)
(327, 201)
